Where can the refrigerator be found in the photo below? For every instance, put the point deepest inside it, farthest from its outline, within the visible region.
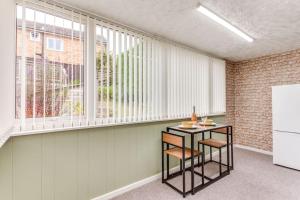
(286, 125)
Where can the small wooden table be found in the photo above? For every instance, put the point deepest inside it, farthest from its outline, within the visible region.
(202, 130)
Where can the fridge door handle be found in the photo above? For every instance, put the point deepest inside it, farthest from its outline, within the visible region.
(286, 132)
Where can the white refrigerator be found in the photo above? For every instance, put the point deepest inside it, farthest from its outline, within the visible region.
(286, 125)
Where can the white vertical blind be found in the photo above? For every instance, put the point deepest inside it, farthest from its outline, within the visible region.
(140, 83)
(137, 75)
(49, 61)
(114, 97)
(108, 64)
(144, 79)
(134, 77)
(120, 39)
(218, 87)
(125, 76)
(188, 83)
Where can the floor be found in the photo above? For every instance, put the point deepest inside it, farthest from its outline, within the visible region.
(254, 178)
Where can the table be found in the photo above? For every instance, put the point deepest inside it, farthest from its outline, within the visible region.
(202, 130)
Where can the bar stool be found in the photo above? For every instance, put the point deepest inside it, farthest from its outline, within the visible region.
(179, 151)
(218, 144)
(224, 132)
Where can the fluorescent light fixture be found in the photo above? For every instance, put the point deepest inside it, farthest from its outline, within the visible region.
(221, 21)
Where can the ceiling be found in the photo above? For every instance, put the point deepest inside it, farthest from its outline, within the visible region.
(274, 24)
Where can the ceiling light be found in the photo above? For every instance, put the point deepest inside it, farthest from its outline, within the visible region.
(221, 21)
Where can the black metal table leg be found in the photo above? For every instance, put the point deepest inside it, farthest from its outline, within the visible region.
(227, 140)
(183, 170)
(162, 161)
(203, 162)
(192, 164)
(220, 161)
(210, 149)
(168, 162)
(231, 139)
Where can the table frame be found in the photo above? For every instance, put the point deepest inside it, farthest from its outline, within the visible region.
(192, 133)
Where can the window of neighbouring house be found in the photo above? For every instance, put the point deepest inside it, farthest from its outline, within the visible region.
(35, 36)
(55, 44)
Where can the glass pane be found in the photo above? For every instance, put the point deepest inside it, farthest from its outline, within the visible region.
(54, 79)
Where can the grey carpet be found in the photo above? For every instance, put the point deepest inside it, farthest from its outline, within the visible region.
(254, 178)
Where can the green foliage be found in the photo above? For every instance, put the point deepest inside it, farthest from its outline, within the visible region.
(77, 108)
(98, 60)
(75, 82)
(105, 92)
(105, 68)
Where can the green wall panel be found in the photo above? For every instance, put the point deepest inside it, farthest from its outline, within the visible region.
(80, 164)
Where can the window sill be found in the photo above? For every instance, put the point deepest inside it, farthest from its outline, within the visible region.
(7, 135)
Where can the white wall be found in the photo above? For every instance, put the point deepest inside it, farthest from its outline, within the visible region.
(7, 67)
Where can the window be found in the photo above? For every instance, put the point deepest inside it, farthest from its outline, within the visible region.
(35, 36)
(129, 76)
(55, 44)
(142, 79)
(188, 83)
(70, 76)
(49, 84)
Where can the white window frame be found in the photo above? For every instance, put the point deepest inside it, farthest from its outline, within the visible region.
(49, 123)
(89, 87)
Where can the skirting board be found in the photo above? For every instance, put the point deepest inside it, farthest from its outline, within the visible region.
(140, 183)
(253, 149)
(131, 186)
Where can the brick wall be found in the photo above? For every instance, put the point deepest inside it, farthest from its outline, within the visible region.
(249, 95)
(72, 53)
(230, 92)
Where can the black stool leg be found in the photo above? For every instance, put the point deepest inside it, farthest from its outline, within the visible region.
(202, 168)
(210, 149)
(231, 141)
(168, 163)
(199, 155)
(181, 165)
(183, 172)
(162, 162)
(220, 163)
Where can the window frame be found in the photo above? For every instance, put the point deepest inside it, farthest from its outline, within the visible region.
(49, 123)
(89, 118)
(35, 39)
(55, 40)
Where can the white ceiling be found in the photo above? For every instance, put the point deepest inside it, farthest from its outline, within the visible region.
(274, 24)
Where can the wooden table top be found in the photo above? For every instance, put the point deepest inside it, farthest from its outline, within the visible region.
(199, 128)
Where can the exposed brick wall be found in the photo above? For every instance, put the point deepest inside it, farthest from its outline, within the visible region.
(252, 101)
(230, 93)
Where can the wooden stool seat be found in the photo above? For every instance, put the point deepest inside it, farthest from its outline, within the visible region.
(177, 152)
(213, 143)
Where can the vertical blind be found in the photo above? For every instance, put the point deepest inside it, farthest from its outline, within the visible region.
(136, 77)
(49, 66)
(129, 76)
(188, 83)
(218, 86)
